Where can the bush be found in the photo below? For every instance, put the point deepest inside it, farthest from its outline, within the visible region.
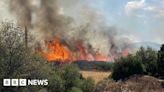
(56, 84)
(73, 79)
(88, 85)
(74, 89)
(70, 73)
(125, 67)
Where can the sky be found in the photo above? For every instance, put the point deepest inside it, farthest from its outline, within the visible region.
(143, 20)
(139, 20)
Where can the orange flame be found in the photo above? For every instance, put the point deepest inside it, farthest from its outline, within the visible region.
(100, 57)
(58, 52)
(83, 54)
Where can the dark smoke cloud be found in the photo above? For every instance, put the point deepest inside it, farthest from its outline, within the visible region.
(22, 9)
(49, 18)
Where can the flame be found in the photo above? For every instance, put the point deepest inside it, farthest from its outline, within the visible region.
(83, 54)
(100, 57)
(55, 51)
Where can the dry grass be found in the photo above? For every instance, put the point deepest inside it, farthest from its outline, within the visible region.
(96, 75)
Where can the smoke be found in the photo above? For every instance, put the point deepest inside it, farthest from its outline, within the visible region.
(73, 21)
(22, 10)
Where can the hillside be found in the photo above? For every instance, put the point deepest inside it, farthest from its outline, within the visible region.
(133, 84)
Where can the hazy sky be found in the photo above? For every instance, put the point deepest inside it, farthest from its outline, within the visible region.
(143, 20)
(140, 20)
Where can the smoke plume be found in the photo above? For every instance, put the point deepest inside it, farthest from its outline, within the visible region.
(72, 22)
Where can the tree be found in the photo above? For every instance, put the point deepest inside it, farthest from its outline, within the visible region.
(126, 66)
(13, 54)
(161, 61)
(148, 57)
(16, 60)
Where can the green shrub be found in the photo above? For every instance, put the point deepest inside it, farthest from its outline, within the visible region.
(56, 84)
(70, 73)
(68, 79)
(125, 67)
(88, 85)
(74, 89)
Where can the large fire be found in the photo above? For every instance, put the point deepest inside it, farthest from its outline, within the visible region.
(55, 51)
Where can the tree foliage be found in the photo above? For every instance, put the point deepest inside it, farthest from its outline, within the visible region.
(127, 66)
(148, 57)
(56, 84)
(73, 80)
(161, 61)
(74, 89)
(71, 75)
(88, 85)
(16, 60)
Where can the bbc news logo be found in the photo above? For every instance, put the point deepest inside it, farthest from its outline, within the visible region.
(24, 82)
